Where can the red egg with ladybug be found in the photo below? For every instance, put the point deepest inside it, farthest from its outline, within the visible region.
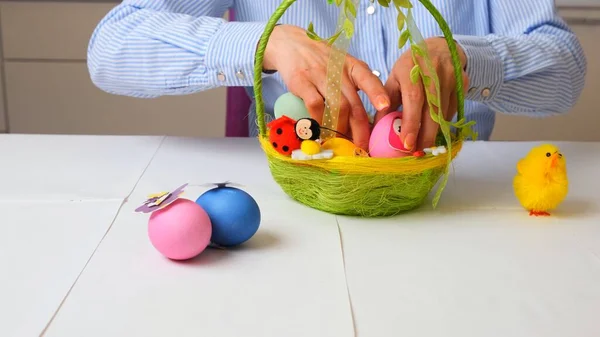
(282, 135)
(286, 134)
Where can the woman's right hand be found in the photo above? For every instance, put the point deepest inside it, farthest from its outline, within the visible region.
(302, 64)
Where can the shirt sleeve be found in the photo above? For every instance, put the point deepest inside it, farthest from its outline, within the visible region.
(531, 63)
(150, 48)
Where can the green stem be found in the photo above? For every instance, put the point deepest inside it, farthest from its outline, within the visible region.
(453, 53)
(258, 64)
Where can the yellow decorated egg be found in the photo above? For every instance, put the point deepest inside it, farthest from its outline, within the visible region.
(341, 147)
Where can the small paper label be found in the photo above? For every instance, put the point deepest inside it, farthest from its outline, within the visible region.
(160, 200)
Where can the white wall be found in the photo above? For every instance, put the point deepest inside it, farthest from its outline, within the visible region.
(48, 89)
(583, 121)
(577, 3)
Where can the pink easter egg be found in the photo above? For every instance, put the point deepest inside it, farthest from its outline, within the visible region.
(181, 230)
(385, 139)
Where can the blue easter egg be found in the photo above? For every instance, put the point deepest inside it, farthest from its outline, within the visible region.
(290, 105)
(234, 214)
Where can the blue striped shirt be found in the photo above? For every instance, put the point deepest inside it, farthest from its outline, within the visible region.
(522, 57)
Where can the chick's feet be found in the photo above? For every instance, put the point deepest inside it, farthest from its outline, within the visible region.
(538, 213)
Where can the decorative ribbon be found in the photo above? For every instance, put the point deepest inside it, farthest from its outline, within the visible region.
(335, 69)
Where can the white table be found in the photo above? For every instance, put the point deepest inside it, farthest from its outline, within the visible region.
(75, 259)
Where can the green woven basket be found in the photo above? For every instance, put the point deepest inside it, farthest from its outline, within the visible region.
(365, 186)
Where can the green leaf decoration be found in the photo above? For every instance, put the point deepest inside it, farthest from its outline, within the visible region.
(427, 81)
(466, 128)
(348, 28)
(384, 3)
(350, 7)
(414, 74)
(432, 99)
(401, 20)
(311, 32)
(332, 39)
(440, 140)
(403, 38)
(338, 2)
(417, 50)
(403, 3)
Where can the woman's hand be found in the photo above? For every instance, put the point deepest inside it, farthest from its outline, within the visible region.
(302, 64)
(418, 129)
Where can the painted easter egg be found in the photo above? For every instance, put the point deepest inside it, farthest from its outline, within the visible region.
(290, 105)
(385, 139)
(341, 147)
(282, 135)
(234, 214)
(181, 230)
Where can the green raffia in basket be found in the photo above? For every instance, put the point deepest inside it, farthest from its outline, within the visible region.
(365, 186)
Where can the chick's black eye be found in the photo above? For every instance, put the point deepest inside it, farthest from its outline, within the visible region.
(560, 155)
(548, 154)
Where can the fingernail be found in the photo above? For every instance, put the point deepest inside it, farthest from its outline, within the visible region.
(409, 142)
(382, 103)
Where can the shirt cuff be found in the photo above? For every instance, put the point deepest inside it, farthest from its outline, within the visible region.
(231, 52)
(484, 68)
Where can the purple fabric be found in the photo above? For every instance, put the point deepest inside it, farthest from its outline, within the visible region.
(238, 104)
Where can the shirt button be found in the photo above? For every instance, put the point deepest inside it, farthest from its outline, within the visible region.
(371, 10)
(486, 92)
(471, 91)
(240, 74)
(221, 77)
(376, 73)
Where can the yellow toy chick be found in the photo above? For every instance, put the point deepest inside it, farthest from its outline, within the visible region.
(541, 183)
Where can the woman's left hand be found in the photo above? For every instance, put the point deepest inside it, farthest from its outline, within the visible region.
(418, 129)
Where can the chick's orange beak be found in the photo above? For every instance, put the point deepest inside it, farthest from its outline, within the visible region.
(554, 160)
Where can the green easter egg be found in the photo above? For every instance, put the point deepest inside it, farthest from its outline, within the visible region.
(290, 105)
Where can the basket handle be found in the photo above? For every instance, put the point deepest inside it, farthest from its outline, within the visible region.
(285, 4)
(460, 96)
(258, 64)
